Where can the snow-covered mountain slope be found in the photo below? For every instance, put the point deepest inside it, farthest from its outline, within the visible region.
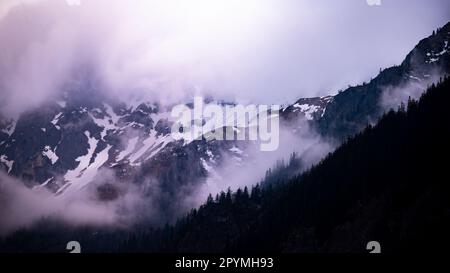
(72, 141)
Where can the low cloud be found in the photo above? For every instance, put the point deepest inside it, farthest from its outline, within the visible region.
(394, 96)
(20, 207)
(234, 174)
(104, 202)
(271, 52)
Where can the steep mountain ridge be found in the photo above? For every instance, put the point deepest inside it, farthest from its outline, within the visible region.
(352, 109)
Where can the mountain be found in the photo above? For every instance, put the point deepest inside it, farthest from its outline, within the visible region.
(75, 143)
(82, 141)
(352, 109)
(75, 136)
(388, 183)
(339, 116)
(379, 185)
(74, 140)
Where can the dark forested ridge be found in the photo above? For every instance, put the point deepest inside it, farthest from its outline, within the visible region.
(389, 183)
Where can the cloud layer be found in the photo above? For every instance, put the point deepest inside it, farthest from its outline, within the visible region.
(261, 51)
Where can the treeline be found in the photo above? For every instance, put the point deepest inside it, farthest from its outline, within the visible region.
(388, 183)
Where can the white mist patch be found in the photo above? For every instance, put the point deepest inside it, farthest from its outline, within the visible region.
(236, 150)
(56, 120)
(131, 145)
(247, 167)
(393, 97)
(20, 207)
(136, 47)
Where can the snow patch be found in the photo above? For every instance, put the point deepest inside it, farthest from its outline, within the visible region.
(414, 78)
(50, 154)
(43, 185)
(83, 160)
(152, 144)
(105, 123)
(307, 109)
(432, 60)
(56, 120)
(8, 163)
(78, 178)
(10, 128)
(434, 57)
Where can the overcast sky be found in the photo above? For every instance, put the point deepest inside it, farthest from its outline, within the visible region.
(264, 51)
